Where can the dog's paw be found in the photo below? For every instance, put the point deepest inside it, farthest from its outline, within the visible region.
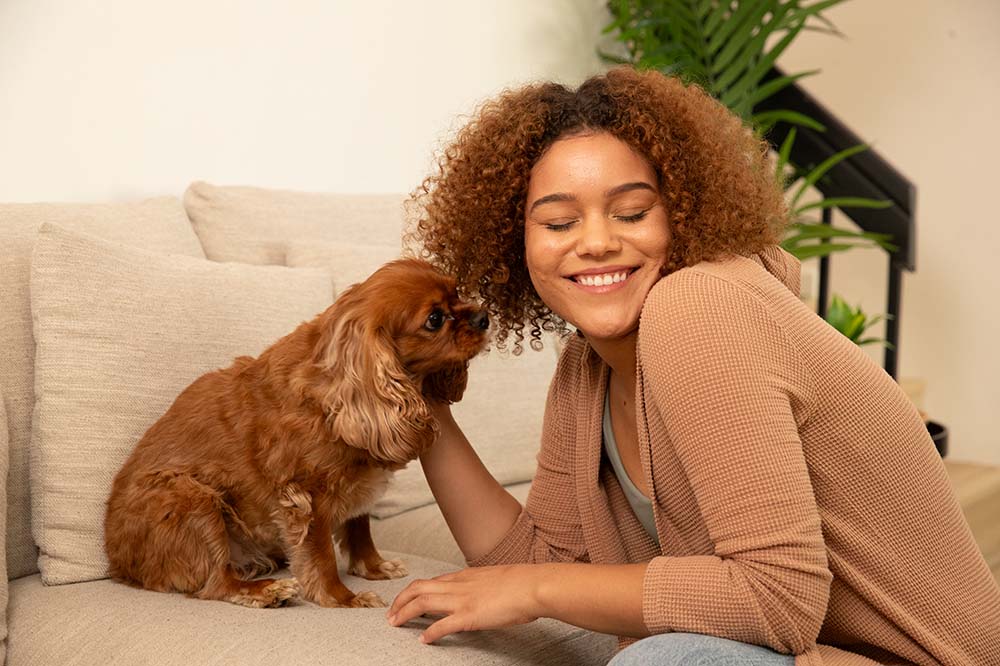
(386, 569)
(393, 568)
(281, 590)
(274, 594)
(366, 600)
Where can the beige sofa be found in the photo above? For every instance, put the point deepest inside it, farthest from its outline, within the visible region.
(106, 312)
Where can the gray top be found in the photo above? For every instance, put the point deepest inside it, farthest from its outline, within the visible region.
(641, 505)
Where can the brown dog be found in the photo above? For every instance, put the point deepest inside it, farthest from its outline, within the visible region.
(261, 462)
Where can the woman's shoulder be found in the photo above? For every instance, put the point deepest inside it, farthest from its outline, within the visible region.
(750, 297)
(771, 276)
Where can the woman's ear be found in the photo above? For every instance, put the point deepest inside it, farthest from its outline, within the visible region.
(447, 385)
(371, 400)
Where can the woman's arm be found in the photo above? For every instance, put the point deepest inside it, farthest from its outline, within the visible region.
(604, 598)
(488, 524)
(730, 395)
(478, 510)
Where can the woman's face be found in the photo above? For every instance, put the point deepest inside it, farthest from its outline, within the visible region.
(596, 233)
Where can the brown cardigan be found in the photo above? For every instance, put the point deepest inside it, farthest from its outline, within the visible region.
(798, 499)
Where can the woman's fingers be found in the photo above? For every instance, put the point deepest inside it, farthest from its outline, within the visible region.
(412, 590)
(422, 586)
(443, 627)
(421, 604)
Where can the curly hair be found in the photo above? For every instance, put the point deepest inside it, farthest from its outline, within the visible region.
(714, 177)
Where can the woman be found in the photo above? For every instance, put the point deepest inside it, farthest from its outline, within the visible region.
(720, 471)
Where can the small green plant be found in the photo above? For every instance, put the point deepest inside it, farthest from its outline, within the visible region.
(853, 322)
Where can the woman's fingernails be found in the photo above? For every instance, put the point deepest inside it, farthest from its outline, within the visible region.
(392, 618)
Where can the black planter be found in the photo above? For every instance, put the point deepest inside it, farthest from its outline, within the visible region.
(939, 435)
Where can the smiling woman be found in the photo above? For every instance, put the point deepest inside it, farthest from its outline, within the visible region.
(719, 469)
(591, 198)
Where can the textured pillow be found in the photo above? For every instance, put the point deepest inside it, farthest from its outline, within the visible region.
(156, 224)
(119, 333)
(501, 412)
(255, 225)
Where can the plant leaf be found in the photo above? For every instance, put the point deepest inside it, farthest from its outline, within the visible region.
(765, 119)
(776, 85)
(813, 177)
(810, 251)
(783, 153)
(845, 202)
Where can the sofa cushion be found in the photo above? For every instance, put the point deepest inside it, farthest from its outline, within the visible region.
(3, 526)
(501, 412)
(423, 532)
(348, 263)
(104, 622)
(159, 224)
(119, 333)
(255, 225)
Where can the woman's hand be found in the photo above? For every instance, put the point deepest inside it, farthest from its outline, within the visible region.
(474, 598)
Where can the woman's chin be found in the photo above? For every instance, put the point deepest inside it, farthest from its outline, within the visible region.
(607, 331)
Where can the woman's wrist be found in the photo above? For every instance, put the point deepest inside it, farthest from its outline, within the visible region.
(604, 598)
(540, 588)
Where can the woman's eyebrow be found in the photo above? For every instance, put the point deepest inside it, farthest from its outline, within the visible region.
(551, 198)
(628, 187)
(614, 191)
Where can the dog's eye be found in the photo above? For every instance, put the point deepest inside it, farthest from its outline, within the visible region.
(435, 320)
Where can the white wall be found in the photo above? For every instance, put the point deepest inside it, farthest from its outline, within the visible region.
(920, 80)
(122, 98)
(127, 98)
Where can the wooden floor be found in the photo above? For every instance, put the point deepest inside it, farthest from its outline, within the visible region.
(978, 490)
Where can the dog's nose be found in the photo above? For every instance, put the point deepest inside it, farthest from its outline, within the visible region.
(480, 320)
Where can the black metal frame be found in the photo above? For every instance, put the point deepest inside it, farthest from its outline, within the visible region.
(865, 174)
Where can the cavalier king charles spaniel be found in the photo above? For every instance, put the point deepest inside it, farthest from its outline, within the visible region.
(265, 462)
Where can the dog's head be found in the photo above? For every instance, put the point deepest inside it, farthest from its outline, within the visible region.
(388, 342)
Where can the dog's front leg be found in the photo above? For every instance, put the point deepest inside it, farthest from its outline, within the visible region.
(306, 523)
(355, 537)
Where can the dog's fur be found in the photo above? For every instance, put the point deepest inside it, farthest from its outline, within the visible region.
(259, 463)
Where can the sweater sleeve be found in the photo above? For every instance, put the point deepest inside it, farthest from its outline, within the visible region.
(728, 386)
(548, 528)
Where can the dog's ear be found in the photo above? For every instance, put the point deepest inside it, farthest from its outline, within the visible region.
(447, 385)
(373, 402)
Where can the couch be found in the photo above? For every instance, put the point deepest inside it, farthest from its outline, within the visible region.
(107, 311)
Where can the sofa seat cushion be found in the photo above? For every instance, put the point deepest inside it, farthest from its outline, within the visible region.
(103, 622)
(422, 531)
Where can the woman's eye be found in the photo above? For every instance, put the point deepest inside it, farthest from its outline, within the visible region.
(435, 320)
(558, 226)
(634, 217)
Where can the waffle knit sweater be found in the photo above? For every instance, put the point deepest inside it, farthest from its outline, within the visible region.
(798, 499)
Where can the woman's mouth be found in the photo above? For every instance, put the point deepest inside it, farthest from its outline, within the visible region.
(602, 282)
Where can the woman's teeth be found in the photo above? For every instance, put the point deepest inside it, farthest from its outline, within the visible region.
(601, 280)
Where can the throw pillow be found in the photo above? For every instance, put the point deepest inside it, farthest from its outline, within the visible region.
(119, 333)
(254, 225)
(157, 224)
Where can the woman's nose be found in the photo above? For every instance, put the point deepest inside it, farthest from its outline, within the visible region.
(597, 237)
